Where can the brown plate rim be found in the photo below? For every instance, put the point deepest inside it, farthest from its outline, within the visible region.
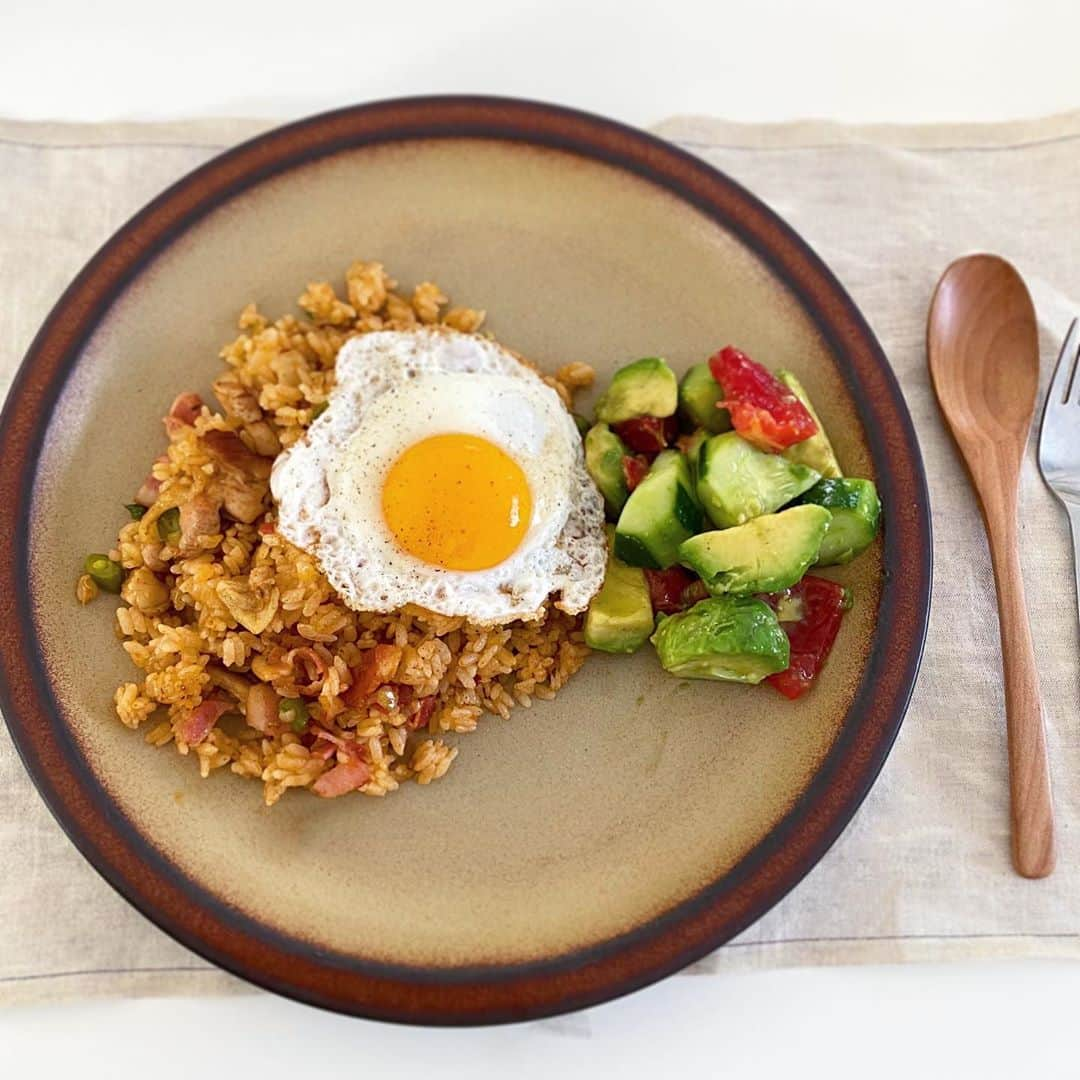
(475, 995)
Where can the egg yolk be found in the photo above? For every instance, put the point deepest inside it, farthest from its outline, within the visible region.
(457, 501)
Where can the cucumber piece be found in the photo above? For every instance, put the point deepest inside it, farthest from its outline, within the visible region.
(644, 388)
(817, 451)
(732, 638)
(763, 556)
(856, 513)
(737, 482)
(693, 453)
(620, 617)
(698, 394)
(660, 514)
(604, 452)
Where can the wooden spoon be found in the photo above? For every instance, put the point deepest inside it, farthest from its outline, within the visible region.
(983, 348)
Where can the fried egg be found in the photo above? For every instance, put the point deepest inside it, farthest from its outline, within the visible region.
(444, 473)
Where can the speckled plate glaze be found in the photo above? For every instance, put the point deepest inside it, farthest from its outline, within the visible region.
(580, 850)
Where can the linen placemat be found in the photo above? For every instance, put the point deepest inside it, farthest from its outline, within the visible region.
(923, 872)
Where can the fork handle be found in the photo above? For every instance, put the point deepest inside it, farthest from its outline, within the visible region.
(1073, 510)
(1029, 770)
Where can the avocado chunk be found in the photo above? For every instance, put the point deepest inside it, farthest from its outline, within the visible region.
(698, 394)
(659, 515)
(856, 512)
(817, 451)
(737, 482)
(620, 617)
(644, 388)
(604, 453)
(734, 638)
(763, 556)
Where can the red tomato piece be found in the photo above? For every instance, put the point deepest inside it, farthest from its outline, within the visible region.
(634, 468)
(376, 667)
(647, 434)
(666, 589)
(812, 636)
(763, 410)
(693, 593)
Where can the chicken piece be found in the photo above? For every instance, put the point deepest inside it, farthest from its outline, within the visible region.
(253, 609)
(261, 709)
(200, 516)
(236, 399)
(244, 475)
(232, 453)
(265, 438)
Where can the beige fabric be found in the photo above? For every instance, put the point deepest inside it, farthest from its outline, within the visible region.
(923, 871)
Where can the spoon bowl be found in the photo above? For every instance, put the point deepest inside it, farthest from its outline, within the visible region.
(984, 351)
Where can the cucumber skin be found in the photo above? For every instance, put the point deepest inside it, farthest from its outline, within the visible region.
(630, 550)
(725, 511)
(688, 511)
(636, 539)
(856, 515)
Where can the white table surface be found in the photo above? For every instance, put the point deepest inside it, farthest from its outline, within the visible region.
(922, 60)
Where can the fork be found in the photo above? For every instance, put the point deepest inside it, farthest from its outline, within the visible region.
(1059, 438)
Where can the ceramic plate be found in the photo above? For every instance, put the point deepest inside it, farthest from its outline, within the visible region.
(582, 849)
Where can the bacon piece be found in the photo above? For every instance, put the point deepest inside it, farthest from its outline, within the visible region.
(342, 779)
(201, 720)
(183, 412)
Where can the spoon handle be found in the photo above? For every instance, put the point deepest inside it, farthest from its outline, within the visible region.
(1029, 770)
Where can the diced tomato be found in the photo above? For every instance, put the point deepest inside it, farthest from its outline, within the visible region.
(812, 636)
(647, 434)
(666, 588)
(763, 410)
(634, 469)
(693, 593)
(376, 667)
(424, 709)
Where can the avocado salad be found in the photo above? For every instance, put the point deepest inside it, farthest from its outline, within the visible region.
(722, 491)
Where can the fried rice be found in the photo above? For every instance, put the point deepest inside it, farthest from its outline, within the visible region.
(218, 609)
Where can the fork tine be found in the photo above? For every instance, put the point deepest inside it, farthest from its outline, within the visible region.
(1064, 386)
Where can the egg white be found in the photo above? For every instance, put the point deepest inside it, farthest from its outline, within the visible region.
(396, 388)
